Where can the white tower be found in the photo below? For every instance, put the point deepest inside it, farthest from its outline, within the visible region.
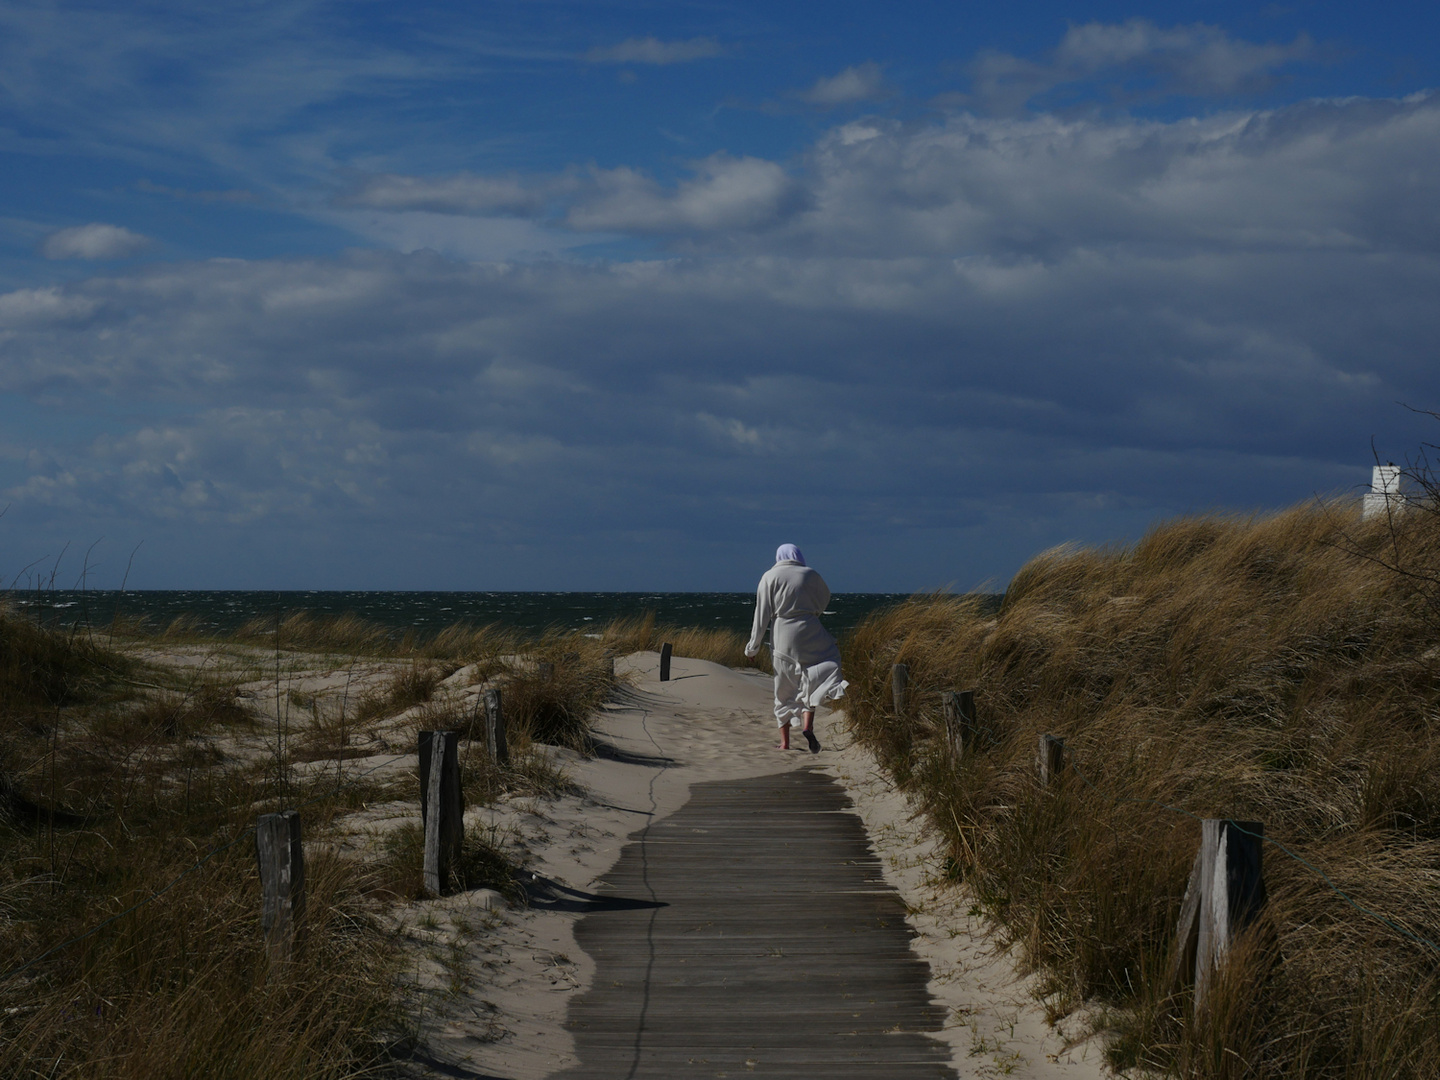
(1384, 496)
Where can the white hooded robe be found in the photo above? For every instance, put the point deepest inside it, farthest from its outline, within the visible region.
(791, 596)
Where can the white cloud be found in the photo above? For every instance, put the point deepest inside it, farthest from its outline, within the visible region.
(726, 194)
(486, 239)
(94, 241)
(466, 193)
(1137, 59)
(863, 82)
(651, 50)
(43, 307)
(1200, 59)
(1001, 332)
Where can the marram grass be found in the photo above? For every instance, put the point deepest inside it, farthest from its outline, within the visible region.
(113, 784)
(1250, 668)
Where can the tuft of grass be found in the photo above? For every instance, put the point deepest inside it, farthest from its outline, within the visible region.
(41, 667)
(483, 864)
(1251, 668)
(719, 646)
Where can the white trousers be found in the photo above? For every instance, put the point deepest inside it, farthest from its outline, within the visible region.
(798, 688)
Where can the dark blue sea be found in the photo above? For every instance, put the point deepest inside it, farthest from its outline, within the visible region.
(221, 612)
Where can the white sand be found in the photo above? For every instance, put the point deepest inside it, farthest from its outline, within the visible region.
(509, 974)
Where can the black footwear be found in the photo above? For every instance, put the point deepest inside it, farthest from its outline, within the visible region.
(812, 741)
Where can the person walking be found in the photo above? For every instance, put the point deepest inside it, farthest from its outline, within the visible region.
(789, 600)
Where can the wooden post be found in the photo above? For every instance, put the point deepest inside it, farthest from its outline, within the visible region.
(442, 806)
(495, 728)
(1225, 892)
(281, 856)
(899, 677)
(959, 706)
(1050, 759)
(665, 651)
(546, 670)
(609, 657)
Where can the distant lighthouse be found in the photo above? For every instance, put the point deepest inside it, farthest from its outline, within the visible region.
(1384, 495)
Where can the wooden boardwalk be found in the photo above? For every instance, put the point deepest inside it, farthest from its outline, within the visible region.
(752, 934)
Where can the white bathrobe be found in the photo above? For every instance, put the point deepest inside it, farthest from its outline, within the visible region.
(807, 660)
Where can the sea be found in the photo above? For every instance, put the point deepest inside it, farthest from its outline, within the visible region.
(221, 612)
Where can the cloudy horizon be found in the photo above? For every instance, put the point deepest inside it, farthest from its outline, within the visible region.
(605, 296)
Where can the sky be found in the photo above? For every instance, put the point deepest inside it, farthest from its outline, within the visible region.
(572, 294)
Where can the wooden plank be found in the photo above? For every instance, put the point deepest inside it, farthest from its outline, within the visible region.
(442, 807)
(959, 709)
(1187, 931)
(665, 652)
(1232, 892)
(899, 680)
(1050, 759)
(495, 739)
(281, 857)
(752, 933)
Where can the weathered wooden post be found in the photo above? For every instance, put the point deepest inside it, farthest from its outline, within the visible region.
(1225, 892)
(495, 728)
(281, 856)
(546, 670)
(899, 677)
(665, 651)
(1051, 759)
(609, 657)
(442, 806)
(959, 706)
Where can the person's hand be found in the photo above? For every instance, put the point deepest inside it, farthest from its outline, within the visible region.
(751, 651)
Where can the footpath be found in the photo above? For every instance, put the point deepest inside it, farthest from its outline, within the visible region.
(705, 905)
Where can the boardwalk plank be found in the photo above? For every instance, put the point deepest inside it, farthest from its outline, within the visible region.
(762, 940)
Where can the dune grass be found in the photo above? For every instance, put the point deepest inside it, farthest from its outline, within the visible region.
(108, 801)
(114, 784)
(1262, 669)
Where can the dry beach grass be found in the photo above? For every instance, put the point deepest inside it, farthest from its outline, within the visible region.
(1268, 669)
(132, 766)
(1265, 669)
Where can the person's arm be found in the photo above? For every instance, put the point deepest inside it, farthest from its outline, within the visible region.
(822, 594)
(763, 614)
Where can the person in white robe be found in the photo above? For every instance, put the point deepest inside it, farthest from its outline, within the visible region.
(789, 601)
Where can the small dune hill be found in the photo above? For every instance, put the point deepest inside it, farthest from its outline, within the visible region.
(1283, 669)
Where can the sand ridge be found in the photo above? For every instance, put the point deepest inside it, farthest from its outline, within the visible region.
(508, 974)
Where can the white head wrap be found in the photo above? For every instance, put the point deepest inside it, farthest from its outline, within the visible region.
(789, 552)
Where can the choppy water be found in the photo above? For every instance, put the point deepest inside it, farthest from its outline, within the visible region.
(223, 611)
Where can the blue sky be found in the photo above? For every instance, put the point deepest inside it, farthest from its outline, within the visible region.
(564, 295)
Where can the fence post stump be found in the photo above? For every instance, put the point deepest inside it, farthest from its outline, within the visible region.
(665, 651)
(495, 728)
(959, 706)
(609, 658)
(1225, 892)
(442, 806)
(899, 677)
(546, 670)
(1050, 759)
(281, 856)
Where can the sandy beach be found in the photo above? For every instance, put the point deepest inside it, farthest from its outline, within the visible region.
(504, 975)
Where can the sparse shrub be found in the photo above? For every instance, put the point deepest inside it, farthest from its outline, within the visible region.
(411, 685)
(720, 646)
(483, 864)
